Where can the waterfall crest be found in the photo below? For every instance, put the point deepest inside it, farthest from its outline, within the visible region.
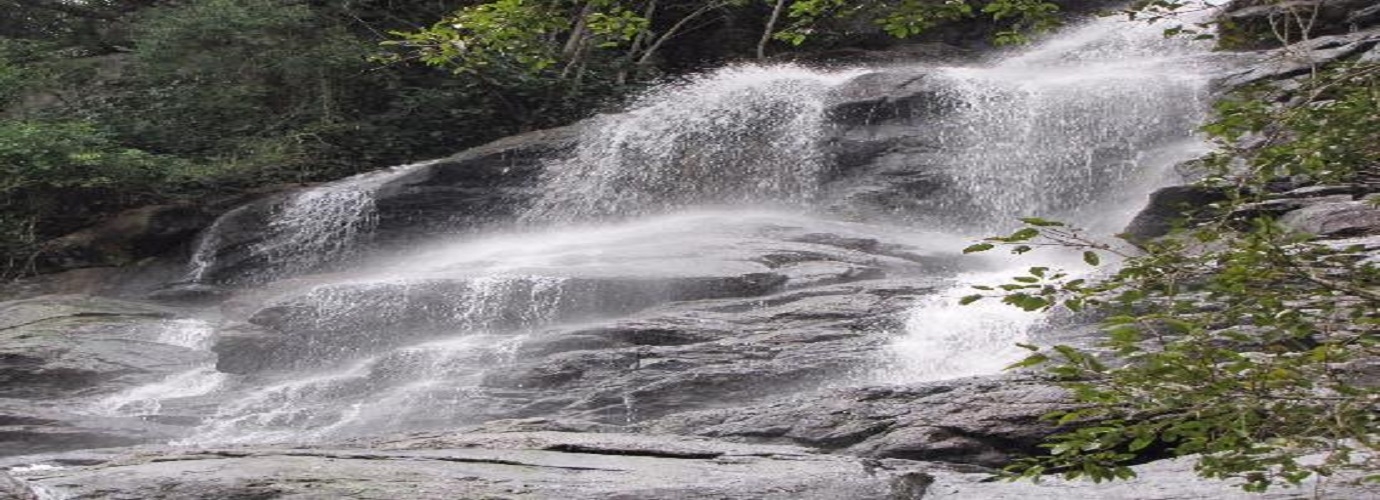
(744, 134)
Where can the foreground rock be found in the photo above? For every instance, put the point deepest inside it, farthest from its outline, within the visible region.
(548, 465)
(542, 465)
(980, 421)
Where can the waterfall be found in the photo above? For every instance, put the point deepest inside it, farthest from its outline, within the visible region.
(684, 197)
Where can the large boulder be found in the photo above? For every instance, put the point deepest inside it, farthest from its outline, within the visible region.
(1337, 219)
(1169, 208)
(126, 238)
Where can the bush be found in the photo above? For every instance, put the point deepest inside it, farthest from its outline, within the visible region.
(1235, 339)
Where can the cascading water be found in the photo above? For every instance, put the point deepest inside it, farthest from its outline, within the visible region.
(147, 400)
(1069, 128)
(663, 203)
(1080, 128)
(742, 134)
(312, 227)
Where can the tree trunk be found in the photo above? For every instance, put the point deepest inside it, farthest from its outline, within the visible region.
(770, 29)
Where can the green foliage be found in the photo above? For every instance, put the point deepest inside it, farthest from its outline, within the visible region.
(216, 71)
(538, 35)
(1234, 340)
(52, 174)
(907, 18)
(503, 32)
(254, 92)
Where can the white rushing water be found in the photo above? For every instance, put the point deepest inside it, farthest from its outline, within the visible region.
(199, 380)
(313, 226)
(740, 134)
(1080, 127)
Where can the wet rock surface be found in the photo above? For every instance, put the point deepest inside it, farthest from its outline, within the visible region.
(57, 353)
(450, 195)
(722, 323)
(517, 465)
(543, 465)
(979, 421)
(61, 346)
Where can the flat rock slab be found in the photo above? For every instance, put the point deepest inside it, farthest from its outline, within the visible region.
(982, 421)
(69, 345)
(19, 313)
(512, 466)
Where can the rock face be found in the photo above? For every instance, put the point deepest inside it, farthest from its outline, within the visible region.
(1168, 207)
(126, 238)
(981, 421)
(1336, 219)
(454, 194)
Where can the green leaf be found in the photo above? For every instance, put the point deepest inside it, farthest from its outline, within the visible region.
(1036, 221)
(1091, 258)
(969, 299)
(1031, 360)
(980, 247)
(1023, 234)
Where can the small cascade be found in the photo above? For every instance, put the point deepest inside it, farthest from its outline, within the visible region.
(320, 225)
(372, 312)
(312, 227)
(743, 134)
(433, 382)
(204, 250)
(148, 400)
